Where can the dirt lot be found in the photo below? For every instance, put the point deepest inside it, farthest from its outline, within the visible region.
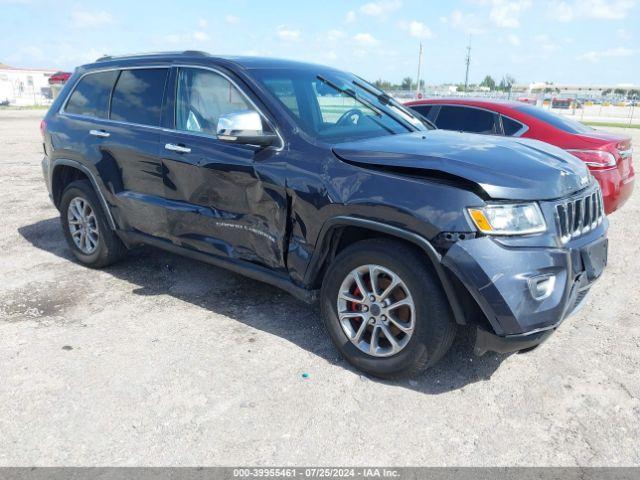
(164, 361)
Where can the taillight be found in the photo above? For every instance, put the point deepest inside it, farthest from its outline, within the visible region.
(595, 158)
(43, 128)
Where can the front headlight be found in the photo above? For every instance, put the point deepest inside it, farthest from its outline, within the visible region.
(505, 219)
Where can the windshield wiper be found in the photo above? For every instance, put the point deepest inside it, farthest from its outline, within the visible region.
(386, 99)
(352, 94)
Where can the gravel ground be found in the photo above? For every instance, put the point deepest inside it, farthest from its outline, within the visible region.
(161, 360)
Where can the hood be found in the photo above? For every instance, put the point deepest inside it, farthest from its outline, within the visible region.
(505, 168)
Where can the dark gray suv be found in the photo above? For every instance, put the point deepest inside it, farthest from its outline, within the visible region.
(315, 181)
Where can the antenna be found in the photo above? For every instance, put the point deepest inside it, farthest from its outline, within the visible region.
(468, 62)
(418, 77)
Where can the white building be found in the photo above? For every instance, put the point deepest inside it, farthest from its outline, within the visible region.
(25, 86)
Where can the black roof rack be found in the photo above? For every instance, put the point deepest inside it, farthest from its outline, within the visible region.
(104, 58)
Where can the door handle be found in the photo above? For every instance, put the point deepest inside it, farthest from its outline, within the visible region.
(177, 148)
(99, 133)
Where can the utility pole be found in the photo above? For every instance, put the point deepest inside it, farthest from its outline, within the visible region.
(468, 62)
(418, 77)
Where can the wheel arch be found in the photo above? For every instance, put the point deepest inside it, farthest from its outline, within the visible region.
(64, 172)
(333, 231)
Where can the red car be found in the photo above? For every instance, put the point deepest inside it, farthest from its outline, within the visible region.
(607, 155)
(59, 77)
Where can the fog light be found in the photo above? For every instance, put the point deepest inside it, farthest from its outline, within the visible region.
(541, 287)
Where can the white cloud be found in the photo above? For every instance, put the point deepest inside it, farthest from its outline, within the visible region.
(350, 17)
(231, 19)
(513, 40)
(567, 11)
(595, 56)
(468, 23)
(200, 36)
(202, 23)
(378, 9)
(623, 34)
(507, 14)
(365, 39)
(334, 35)
(85, 19)
(544, 43)
(287, 34)
(416, 29)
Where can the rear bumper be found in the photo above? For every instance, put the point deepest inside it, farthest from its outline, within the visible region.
(615, 190)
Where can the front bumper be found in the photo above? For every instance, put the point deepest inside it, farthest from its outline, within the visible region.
(497, 275)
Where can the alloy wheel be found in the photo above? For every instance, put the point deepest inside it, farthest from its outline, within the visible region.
(83, 225)
(376, 310)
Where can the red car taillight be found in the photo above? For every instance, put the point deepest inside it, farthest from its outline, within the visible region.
(595, 158)
(43, 128)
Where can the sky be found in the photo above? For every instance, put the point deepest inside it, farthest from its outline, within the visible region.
(562, 41)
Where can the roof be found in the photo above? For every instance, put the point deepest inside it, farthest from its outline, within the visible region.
(248, 62)
(479, 102)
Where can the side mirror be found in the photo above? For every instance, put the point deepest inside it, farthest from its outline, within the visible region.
(244, 127)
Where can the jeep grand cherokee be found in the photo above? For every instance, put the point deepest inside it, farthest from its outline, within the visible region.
(315, 181)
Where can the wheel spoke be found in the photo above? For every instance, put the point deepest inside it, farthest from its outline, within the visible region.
(405, 302)
(373, 278)
(358, 279)
(373, 346)
(363, 328)
(350, 298)
(402, 326)
(348, 315)
(392, 340)
(387, 291)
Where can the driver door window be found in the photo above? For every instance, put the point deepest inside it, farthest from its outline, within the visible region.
(202, 97)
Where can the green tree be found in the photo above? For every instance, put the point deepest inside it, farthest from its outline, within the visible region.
(406, 83)
(506, 83)
(488, 82)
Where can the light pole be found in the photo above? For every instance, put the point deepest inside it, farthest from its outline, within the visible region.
(418, 77)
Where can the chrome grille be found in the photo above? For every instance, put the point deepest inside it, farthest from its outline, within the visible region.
(580, 215)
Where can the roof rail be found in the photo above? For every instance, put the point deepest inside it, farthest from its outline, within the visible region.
(104, 58)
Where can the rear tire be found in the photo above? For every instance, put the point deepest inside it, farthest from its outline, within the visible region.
(419, 339)
(86, 228)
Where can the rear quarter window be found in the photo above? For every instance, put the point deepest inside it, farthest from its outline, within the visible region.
(91, 95)
(511, 127)
(137, 97)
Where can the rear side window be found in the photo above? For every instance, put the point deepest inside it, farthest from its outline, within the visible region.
(466, 120)
(511, 127)
(137, 97)
(91, 95)
(422, 109)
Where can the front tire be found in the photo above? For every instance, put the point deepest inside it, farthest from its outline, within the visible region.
(86, 229)
(385, 309)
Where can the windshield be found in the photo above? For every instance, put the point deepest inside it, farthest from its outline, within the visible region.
(563, 123)
(337, 107)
